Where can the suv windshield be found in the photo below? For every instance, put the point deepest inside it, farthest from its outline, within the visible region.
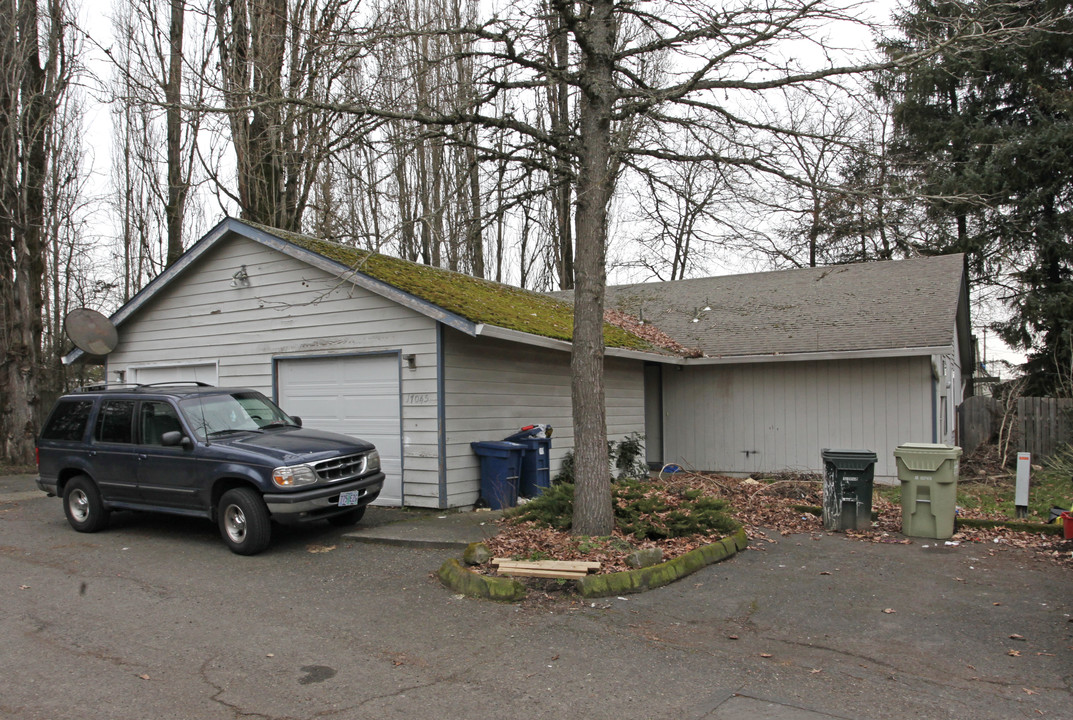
(216, 415)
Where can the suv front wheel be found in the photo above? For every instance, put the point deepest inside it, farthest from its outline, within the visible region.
(83, 506)
(244, 521)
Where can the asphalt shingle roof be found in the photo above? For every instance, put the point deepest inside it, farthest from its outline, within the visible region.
(868, 306)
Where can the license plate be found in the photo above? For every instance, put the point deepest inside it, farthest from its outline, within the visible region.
(350, 497)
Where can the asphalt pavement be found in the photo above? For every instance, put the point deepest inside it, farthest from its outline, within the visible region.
(154, 617)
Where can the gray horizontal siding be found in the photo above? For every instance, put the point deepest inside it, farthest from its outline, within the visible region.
(289, 310)
(493, 387)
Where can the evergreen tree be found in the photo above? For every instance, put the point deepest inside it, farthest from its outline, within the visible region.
(987, 134)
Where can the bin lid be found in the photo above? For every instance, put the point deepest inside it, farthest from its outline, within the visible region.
(928, 449)
(925, 457)
(829, 454)
(858, 460)
(480, 445)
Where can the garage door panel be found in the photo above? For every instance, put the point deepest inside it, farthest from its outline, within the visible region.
(355, 395)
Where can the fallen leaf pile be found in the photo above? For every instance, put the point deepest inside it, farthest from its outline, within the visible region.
(785, 504)
(649, 332)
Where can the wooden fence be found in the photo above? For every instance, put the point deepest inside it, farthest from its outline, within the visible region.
(1041, 424)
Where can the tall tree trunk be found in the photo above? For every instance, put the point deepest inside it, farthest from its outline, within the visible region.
(28, 95)
(593, 513)
(173, 210)
(559, 105)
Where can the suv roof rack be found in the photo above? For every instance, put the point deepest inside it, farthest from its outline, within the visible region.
(131, 387)
(97, 387)
(196, 383)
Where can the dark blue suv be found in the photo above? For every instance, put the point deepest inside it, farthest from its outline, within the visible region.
(229, 455)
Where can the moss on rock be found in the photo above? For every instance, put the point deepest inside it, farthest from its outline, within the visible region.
(457, 578)
(655, 576)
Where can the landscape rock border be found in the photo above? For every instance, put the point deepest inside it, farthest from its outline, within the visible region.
(463, 580)
(503, 589)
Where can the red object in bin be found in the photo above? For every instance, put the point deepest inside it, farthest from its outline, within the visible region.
(1067, 525)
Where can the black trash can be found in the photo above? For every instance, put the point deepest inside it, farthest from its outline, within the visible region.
(536, 464)
(848, 477)
(500, 468)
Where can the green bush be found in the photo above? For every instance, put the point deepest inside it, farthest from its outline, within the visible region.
(643, 510)
(553, 508)
(626, 457)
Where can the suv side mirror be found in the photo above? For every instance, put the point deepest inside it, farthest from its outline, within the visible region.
(297, 420)
(174, 437)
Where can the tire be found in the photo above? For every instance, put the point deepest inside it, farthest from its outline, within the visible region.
(244, 522)
(83, 506)
(348, 519)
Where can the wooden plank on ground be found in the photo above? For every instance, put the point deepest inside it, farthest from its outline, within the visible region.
(568, 565)
(534, 572)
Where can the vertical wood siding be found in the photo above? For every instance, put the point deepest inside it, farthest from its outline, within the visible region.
(493, 388)
(779, 416)
(289, 309)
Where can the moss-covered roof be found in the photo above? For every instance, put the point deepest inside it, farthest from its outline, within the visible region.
(475, 299)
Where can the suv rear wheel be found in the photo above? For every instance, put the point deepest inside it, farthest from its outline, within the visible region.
(244, 521)
(83, 506)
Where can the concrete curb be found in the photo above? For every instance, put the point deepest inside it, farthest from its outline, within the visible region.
(501, 589)
(471, 584)
(648, 578)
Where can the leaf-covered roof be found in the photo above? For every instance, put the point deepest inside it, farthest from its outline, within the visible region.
(475, 299)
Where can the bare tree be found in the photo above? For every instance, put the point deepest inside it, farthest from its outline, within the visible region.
(35, 70)
(681, 215)
(282, 66)
(157, 89)
(712, 61)
(70, 274)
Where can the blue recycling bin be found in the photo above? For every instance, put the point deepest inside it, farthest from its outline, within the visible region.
(501, 463)
(536, 463)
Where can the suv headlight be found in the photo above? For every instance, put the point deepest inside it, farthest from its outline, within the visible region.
(294, 476)
(372, 461)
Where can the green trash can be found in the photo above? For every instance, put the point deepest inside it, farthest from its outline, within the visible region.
(928, 474)
(848, 476)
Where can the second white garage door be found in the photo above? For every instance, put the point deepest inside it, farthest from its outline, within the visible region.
(353, 395)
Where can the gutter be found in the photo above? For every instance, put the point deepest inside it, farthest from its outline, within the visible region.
(871, 354)
(501, 333)
(494, 331)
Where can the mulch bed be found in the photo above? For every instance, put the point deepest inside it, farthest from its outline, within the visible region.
(767, 510)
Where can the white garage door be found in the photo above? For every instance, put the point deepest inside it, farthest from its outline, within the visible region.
(202, 372)
(358, 396)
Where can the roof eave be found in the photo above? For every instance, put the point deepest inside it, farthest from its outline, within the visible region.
(229, 226)
(502, 333)
(872, 354)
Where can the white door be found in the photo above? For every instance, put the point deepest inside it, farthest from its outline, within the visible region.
(202, 372)
(355, 395)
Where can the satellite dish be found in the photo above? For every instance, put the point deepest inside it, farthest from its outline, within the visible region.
(90, 331)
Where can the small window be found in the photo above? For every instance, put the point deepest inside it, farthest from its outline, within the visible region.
(115, 421)
(68, 420)
(158, 418)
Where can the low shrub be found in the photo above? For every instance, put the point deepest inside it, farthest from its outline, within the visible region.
(647, 511)
(625, 458)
